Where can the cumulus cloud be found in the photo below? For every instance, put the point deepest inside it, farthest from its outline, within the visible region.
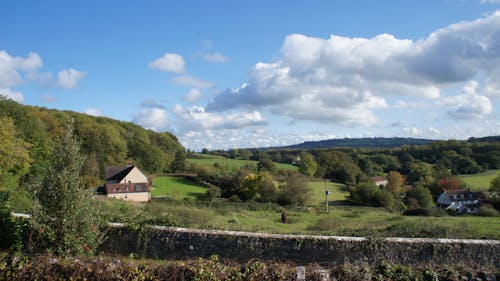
(191, 81)
(169, 62)
(469, 104)
(93, 112)
(344, 80)
(193, 96)
(15, 96)
(68, 78)
(215, 57)
(152, 116)
(10, 75)
(195, 118)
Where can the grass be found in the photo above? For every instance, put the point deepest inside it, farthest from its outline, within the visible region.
(341, 219)
(176, 188)
(234, 163)
(480, 181)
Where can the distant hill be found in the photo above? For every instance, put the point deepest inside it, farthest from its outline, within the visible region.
(359, 143)
(104, 141)
(485, 139)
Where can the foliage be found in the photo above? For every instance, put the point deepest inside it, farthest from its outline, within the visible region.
(64, 221)
(11, 228)
(395, 182)
(488, 211)
(14, 156)
(295, 191)
(18, 267)
(368, 194)
(495, 184)
(104, 142)
(422, 197)
(307, 165)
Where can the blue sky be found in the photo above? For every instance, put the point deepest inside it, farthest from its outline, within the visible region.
(226, 74)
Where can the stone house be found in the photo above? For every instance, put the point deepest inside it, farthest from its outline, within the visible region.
(127, 183)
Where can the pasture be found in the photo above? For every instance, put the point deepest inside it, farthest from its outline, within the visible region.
(176, 188)
(234, 163)
(480, 181)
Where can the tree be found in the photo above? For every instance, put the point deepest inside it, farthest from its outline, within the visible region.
(395, 182)
(422, 196)
(295, 190)
(179, 164)
(307, 165)
(266, 164)
(495, 184)
(14, 157)
(64, 219)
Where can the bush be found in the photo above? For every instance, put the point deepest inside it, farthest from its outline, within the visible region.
(11, 228)
(488, 211)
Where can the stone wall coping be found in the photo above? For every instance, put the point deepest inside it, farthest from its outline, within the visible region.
(317, 237)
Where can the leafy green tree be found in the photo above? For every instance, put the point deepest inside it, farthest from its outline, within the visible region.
(495, 184)
(268, 189)
(179, 164)
(307, 165)
(422, 196)
(266, 164)
(250, 187)
(65, 220)
(295, 191)
(14, 155)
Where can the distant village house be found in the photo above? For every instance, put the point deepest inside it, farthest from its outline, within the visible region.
(461, 201)
(127, 183)
(380, 181)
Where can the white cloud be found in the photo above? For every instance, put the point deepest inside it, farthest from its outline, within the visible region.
(187, 80)
(152, 116)
(15, 96)
(215, 57)
(93, 112)
(195, 118)
(193, 96)
(10, 66)
(343, 80)
(469, 104)
(68, 78)
(170, 62)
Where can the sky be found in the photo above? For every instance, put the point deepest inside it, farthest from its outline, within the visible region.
(240, 74)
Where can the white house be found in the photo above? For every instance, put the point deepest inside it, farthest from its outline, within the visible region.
(462, 201)
(380, 181)
(127, 183)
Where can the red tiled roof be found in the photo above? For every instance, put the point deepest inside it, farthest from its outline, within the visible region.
(114, 188)
(378, 178)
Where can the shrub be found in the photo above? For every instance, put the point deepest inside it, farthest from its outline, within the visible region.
(488, 211)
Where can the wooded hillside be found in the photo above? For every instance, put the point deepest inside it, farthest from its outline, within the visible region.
(104, 141)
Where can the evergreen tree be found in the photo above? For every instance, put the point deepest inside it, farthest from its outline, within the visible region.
(65, 220)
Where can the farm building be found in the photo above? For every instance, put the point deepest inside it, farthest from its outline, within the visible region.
(127, 183)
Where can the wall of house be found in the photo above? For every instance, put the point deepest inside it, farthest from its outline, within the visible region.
(135, 176)
(133, 196)
(179, 243)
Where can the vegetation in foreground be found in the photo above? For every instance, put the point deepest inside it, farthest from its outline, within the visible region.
(16, 267)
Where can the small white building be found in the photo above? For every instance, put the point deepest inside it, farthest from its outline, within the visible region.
(127, 183)
(380, 181)
(462, 201)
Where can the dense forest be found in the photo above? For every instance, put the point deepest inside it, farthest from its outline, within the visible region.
(359, 143)
(28, 135)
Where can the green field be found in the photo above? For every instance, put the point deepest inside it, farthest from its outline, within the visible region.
(480, 181)
(336, 192)
(176, 188)
(233, 163)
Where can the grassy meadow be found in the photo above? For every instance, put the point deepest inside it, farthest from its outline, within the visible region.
(257, 217)
(176, 188)
(233, 163)
(480, 181)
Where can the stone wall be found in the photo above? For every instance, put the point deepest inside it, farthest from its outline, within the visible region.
(178, 243)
